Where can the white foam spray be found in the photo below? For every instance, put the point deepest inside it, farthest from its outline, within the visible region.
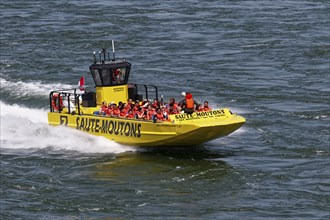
(25, 128)
(32, 88)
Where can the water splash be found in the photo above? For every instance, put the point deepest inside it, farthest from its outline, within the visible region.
(25, 128)
(20, 89)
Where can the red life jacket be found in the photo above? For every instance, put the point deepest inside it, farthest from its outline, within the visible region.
(150, 114)
(130, 116)
(160, 116)
(128, 107)
(122, 114)
(116, 112)
(104, 108)
(109, 111)
(140, 115)
(174, 111)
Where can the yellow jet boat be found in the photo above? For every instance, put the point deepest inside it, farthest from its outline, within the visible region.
(78, 110)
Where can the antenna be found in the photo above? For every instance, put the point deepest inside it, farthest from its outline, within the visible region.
(113, 50)
(103, 51)
(100, 56)
(94, 56)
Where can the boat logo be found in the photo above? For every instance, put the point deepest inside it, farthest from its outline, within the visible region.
(106, 126)
(200, 115)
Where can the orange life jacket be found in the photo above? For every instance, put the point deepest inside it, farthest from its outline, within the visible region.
(189, 103)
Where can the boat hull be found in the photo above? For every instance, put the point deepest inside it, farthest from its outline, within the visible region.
(181, 130)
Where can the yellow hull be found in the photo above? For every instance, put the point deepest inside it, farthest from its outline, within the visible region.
(181, 130)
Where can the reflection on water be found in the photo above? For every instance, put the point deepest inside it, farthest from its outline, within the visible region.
(180, 163)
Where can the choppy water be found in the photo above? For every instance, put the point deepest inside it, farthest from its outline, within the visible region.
(266, 60)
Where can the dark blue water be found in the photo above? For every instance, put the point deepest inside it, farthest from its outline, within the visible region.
(268, 61)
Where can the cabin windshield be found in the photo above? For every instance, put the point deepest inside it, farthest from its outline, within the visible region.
(110, 75)
(96, 77)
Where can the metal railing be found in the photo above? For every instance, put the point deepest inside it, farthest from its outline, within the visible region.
(147, 90)
(56, 99)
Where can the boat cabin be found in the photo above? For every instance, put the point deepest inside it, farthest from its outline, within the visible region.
(111, 82)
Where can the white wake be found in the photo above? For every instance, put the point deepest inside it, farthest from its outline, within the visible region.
(25, 128)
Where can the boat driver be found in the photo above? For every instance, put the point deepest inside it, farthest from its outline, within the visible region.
(188, 104)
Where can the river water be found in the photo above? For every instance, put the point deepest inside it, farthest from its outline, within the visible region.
(266, 60)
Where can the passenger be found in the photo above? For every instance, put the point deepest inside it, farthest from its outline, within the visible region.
(150, 112)
(129, 104)
(110, 109)
(115, 111)
(136, 106)
(172, 102)
(103, 109)
(158, 116)
(121, 105)
(130, 114)
(122, 113)
(121, 76)
(145, 105)
(116, 76)
(206, 107)
(164, 112)
(141, 114)
(188, 104)
(156, 104)
(172, 109)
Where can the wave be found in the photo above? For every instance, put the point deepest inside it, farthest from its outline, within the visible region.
(20, 89)
(27, 128)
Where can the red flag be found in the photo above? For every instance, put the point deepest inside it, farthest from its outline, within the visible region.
(81, 83)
